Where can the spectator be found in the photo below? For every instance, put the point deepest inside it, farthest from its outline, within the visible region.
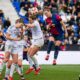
(1, 13)
(22, 4)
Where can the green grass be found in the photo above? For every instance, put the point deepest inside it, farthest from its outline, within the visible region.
(49, 72)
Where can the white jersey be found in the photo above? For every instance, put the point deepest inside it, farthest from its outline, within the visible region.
(14, 33)
(21, 43)
(36, 31)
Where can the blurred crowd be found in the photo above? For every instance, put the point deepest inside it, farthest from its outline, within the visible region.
(69, 10)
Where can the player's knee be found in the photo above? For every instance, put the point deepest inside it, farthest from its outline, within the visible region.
(9, 66)
(20, 64)
(6, 60)
(32, 54)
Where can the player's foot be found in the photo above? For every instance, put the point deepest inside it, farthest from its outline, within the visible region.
(47, 57)
(10, 78)
(29, 70)
(22, 77)
(5, 78)
(54, 62)
(37, 71)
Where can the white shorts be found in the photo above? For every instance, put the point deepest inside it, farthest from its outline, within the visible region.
(38, 42)
(8, 47)
(12, 48)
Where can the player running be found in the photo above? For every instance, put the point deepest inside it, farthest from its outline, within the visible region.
(55, 26)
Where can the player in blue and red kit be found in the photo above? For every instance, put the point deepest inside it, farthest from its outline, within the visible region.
(57, 30)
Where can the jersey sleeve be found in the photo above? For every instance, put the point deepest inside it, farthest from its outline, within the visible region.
(9, 30)
(58, 18)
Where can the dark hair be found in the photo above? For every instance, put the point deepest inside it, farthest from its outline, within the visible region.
(33, 17)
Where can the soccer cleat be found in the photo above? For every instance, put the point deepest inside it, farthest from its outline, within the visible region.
(37, 71)
(47, 57)
(54, 62)
(5, 78)
(10, 78)
(29, 70)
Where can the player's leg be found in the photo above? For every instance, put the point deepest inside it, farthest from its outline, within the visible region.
(8, 49)
(20, 69)
(33, 50)
(6, 57)
(36, 45)
(31, 68)
(7, 72)
(56, 52)
(14, 64)
(50, 44)
(33, 65)
(36, 65)
(20, 59)
(27, 58)
(58, 42)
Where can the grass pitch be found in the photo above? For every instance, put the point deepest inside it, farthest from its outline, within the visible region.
(49, 72)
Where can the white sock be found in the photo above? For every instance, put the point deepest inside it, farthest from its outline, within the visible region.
(13, 66)
(2, 64)
(35, 61)
(30, 61)
(20, 70)
(7, 72)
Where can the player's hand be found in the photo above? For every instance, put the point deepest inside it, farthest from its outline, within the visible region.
(66, 34)
(48, 27)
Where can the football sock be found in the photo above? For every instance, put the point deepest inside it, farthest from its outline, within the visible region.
(35, 61)
(7, 71)
(13, 66)
(30, 61)
(50, 44)
(57, 48)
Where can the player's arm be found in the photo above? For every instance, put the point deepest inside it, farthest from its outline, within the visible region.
(30, 25)
(10, 38)
(8, 34)
(65, 29)
(63, 25)
(48, 27)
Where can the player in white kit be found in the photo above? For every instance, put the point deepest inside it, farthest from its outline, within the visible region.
(37, 39)
(13, 36)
